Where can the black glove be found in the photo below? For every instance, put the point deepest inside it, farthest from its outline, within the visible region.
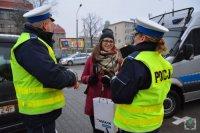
(73, 75)
(106, 81)
(93, 79)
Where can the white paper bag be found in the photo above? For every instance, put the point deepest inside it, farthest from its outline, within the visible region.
(103, 114)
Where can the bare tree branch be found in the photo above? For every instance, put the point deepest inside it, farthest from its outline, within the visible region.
(17, 16)
(37, 3)
(92, 25)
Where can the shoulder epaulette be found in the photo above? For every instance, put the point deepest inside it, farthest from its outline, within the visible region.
(33, 36)
(132, 55)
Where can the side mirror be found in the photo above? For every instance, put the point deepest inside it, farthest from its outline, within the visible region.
(188, 50)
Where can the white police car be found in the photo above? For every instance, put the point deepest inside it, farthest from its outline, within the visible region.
(77, 58)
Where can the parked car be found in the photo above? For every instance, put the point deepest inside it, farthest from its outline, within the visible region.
(9, 117)
(77, 58)
(63, 56)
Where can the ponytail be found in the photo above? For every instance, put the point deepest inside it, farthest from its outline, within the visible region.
(161, 47)
(160, 44)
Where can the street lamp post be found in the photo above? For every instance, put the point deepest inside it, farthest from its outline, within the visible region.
(173, 7)
(77, 25)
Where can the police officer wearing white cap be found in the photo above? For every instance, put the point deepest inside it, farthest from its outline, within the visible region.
(142, 84)
(38, 79)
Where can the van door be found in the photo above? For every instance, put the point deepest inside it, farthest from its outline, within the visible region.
(188, 71)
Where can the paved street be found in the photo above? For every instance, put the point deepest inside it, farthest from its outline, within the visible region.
(73, 119)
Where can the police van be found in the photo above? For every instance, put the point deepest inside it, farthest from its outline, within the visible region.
(183, 42)
(9, 117)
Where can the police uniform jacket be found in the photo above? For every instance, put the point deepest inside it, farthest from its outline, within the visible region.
(33, 56)
(133, 76)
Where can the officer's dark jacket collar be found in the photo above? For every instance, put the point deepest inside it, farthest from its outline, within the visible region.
(46, 36)
(145, 46)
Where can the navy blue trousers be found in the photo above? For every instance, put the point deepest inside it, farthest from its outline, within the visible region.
(43, 128)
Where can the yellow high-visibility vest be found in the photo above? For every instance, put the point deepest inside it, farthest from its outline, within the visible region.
(146, 112)
(32, 97)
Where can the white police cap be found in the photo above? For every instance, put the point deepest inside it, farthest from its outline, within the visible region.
(39, 14)
(150, 28)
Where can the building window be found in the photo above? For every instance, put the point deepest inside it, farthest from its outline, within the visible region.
(1, 15)
(12, 26)
(1, 25)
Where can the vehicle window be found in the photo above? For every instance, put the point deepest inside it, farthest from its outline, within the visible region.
(5, 70)
(171, 38)
(72, 56)
(82, 55)
(77, 55)
(194, 38)
(4, 52)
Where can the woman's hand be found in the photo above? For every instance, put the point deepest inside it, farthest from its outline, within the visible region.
(93, 79)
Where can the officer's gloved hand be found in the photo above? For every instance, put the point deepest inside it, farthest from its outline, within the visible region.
(106, 81)
(74, 83)
(74, 73)
(93, 79)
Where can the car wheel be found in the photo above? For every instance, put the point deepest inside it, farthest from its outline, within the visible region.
(172, 104)
(69, 63)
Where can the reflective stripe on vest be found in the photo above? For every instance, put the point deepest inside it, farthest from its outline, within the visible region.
(32, 97)
(146, 111)
(138, 122)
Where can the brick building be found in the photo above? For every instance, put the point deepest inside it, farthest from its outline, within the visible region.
(11, 20)
(11, 11)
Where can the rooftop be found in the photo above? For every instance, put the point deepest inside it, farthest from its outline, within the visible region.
(59, 30)
(16, 4)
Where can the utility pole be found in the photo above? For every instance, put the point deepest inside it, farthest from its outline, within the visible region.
(77, 25)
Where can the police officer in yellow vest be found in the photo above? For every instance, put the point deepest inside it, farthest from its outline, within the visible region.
(38, 79)
(143, 82)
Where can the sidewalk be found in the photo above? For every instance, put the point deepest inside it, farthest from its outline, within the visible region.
(73, 119)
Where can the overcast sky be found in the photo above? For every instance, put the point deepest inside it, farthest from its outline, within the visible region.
(113, 10)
